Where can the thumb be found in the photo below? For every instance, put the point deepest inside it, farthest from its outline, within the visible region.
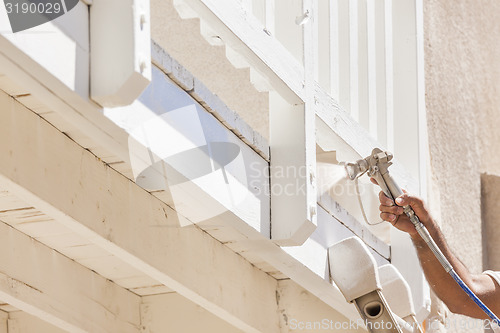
(406, 199)
(416, 204)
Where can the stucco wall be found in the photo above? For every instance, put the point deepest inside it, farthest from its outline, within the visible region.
(181, 38)
(462, 65)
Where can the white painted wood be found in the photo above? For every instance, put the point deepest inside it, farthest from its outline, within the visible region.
(111, 268)
(129, 222)
(259, 82)
(314, 251)
(211, 102)
(4, 316)
(51, 233)
(70, 105)
(381, 70)
(271, 16)
(338, 131)
(22, 322)
(67, 34)
(120, 62)
(372, 68)
(389, 74)
(409, 91)
(144, 220)
(236, 59)
(315, 31)
(11, 88)
(288, 31)
(259, 10)
(247, 5)
(362, 65)
(186, 12)
(334, 50)
(8, 201)
(5, 307)
(66, 299)
(33, 104)
(324, 42)
(344, 53)
(343, 217)
(293, 145)
(263, 52)
(406, 95)
(301, 311)
(174, 313)
(293, 212)
(152, 290)
(354, 60)
(232, 178)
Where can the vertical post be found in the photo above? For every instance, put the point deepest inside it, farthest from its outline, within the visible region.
(288, 32)
(389, 74)
(270, 16)
(120, 68)
(354, 62)
(343, 51)
(334, 49)
(380, 64)
(293, 152)
(409, 129)
(362, 65)
(372, 68)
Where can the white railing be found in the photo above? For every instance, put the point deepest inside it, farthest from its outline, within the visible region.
(337, 66)
(368, 59)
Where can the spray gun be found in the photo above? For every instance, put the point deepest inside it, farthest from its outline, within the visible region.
(376, 165)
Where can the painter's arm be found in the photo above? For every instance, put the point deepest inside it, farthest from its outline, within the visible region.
(441, 282)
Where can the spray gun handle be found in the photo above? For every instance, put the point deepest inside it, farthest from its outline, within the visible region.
(396, 191)
(392, 186)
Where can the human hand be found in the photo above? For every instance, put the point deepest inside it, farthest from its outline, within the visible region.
(393, 212)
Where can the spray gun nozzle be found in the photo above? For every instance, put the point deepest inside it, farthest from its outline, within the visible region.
(356, 169)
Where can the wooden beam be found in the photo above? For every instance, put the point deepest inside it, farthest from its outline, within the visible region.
(4, 317)
(23, 322)
(50, 171)
(172, 312)
(301, 311)
(40, 281)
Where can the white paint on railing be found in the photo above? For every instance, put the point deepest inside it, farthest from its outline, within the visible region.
(354, 60)
(247, 4)
(314, 13)
(389, 76)
(334, 49)
(270, 16)
(287, 31)
(372, 68)
(380, 65)
(363, 98)
(344, 71)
